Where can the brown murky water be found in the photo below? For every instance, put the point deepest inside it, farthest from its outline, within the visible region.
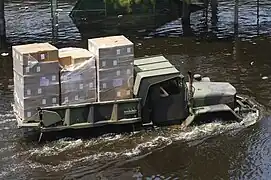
(212, 151)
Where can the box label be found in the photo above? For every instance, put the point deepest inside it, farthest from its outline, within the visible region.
(27, 69)
(117, 82)
(44, 81)
(115, 63)
(103, 63)
(38, 69)
(104, 85)
(90, 85)
(129, 50)
(53, 78)
(28, 114)
(43, 101)
(28, 92)
(42, 56)
(81, 86)
(39, 91)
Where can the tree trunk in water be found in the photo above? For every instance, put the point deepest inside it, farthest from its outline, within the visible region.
(186, 17)
(186, 12)
(258, 17)
(54, 15)
(236, 9)
(214, 5)
(206, 3)
(2, 25)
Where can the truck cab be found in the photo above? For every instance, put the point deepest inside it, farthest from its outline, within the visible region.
(162, 90)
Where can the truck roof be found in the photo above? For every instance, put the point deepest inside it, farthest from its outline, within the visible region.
(152, 70)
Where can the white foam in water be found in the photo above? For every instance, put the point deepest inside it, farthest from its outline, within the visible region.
(143, 144)
(5, 128)
(158, 141)
(103, 140)
(55, 149)
(8, 115)
(118, 136)
(4, 119)
(71, 145)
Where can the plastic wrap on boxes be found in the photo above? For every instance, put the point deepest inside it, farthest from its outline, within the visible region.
(111, 46)
(41, 101)
(23, 113)
(36, 91)
(114, 61)
(116, 83)
(36, 77)
(35, 86)
(25, 57)
(27, 107)
(35, 67)
(70, 55)
(78, 83)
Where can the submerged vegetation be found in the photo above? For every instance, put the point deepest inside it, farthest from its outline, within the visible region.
(129, 3)
(125, 3)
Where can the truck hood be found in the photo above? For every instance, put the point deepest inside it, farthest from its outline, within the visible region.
(211, 93)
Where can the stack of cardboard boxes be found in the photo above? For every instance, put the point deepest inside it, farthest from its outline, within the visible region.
(78, 76)
(114, 63)
(46, 76)
(36, 77)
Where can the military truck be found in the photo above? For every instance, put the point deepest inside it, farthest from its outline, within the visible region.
(162, 96)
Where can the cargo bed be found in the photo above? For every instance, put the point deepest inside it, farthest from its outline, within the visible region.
(85, 115)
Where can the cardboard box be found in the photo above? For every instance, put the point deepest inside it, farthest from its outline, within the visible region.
(111, 63)
(70, 56)
(25, 114)
(118, 72)
(32, 91)
(36, 77)
(37, 101)
(77, 97)
(78, 91)
(30, 53)
(112, 46)
(112, 85)
(35, 81)
(78, 83)
(114, 77)
(116, 94)
(46, 67)
(114, 61)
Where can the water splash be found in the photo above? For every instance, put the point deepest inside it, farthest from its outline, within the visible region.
(123, 146)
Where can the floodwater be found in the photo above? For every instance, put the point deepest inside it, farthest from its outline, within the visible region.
(212, 151)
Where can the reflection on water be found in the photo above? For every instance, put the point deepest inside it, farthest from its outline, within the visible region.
(212, 151)
(166, 22)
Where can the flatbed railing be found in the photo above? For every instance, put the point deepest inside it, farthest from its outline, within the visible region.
(86, 115)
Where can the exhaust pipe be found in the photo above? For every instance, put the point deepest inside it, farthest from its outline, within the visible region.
(190, 100)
